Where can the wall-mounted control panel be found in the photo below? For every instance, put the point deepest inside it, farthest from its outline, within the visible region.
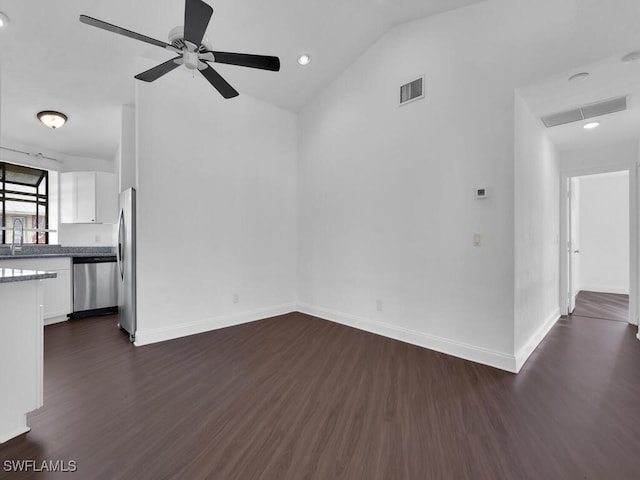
(482, 192)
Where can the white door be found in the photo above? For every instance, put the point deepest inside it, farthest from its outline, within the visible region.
(573, 244)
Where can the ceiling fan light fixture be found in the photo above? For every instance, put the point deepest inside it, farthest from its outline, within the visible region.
(304, 59)
(52, 119)
(190, 59)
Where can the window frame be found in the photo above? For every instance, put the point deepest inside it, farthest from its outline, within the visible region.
(41, 200)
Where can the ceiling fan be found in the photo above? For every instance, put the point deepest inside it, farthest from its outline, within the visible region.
(193, 52)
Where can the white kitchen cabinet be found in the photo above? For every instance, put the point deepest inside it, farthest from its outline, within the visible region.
(57, 292)
(88, 197)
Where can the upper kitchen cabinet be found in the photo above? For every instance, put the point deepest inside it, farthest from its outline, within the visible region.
(88, 197)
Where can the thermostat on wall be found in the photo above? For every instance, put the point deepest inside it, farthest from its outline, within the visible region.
(482, 192)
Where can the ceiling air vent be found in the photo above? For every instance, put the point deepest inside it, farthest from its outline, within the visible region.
(412, 91)
(591, 110)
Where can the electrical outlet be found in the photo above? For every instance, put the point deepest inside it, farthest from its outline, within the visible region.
(236, 298)
(97, 238)
(379, 305)
(476, 239)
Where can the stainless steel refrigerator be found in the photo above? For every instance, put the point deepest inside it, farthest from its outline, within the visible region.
(126, 256)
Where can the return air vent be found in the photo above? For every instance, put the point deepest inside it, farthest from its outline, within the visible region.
(586, 111)
(412, 91)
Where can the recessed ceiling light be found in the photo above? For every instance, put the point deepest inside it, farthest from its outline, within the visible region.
(304, 59)
(52, 119)
(631, 57)
(579, 77)
(591, 125)
(4, 20)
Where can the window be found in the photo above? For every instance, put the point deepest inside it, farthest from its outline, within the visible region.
(24, 195)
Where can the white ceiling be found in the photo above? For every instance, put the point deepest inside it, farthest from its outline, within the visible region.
(608, 78)
(49, 60)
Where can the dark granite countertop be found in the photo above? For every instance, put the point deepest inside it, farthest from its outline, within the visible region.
(18, 275)
(45, 251)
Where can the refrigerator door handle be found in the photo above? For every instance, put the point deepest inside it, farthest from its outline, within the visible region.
(121, 240)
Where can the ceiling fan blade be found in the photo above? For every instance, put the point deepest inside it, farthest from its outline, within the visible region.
(262, 62)
(94, 22)
(162, 69)
(220, 84)
(196, 18)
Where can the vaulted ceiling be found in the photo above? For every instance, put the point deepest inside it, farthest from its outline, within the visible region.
(49, 60)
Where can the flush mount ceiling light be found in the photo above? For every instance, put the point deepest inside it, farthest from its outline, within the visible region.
(631, 57)
(579, 77)
(591, 125)
(52, 119)
(4, 20)
(304, 59)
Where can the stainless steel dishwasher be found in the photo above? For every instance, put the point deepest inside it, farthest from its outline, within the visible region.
(95, 287)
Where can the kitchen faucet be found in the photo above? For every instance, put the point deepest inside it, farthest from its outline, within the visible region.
(18, 236)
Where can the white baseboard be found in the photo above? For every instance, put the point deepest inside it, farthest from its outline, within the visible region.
(146, 337)
(13, 433)
(432, 342)
(604, 289)
(54, 320)
(473, 353)
(527, 349)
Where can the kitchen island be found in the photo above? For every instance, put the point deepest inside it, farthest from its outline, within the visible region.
(21, 347)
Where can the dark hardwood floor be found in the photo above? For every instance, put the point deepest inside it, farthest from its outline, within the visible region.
(295, 397)
(607, 306)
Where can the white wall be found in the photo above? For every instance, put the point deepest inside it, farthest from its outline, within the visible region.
(87, 235)
(216, 208)
(537, 223)
(62, 162)
(126, 157)
(602, 159)
(604, 233)
(386, 208)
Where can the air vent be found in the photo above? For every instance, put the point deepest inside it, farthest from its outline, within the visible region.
(591, 110)
(412, 91)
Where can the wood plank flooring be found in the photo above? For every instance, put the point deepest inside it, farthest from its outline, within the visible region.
(607, 306)
(296, 397)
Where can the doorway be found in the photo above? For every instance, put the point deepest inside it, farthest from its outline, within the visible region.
(599, 230)
(599, 243)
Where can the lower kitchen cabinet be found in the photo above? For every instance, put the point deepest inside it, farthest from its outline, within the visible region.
(57, 292)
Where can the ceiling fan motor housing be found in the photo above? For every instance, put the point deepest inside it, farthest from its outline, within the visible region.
(176, 38)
